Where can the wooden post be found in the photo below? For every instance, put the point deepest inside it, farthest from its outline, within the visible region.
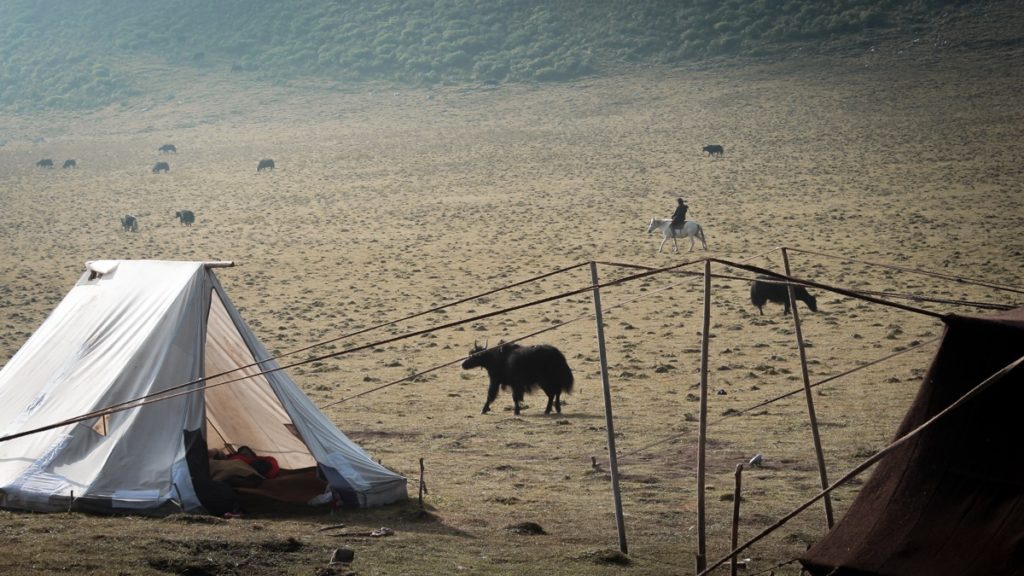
(421, 485)
(703, 421)
(822, 473)
(613, 461)
(737, 491)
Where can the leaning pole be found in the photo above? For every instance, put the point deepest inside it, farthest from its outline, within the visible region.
(613, 461)
(811, 415)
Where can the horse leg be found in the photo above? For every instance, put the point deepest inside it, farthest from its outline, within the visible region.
(691, 243)
(675, 246)
(558, 402)
(550, 401)
(663, 240)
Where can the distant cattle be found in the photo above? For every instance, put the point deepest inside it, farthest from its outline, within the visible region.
(714, 149)
(187, 217)
(767, 289)
(129, 223)
(265, 164)
(523, 369)
(168, 149)
(45, 163)
(161, 167)
(70, 164)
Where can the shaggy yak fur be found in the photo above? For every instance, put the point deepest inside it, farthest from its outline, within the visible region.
(186, 217)
(766, 289)
(523, 369)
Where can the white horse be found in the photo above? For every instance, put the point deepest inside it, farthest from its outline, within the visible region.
(691, 229)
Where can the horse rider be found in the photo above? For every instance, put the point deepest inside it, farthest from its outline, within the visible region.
(679, 216)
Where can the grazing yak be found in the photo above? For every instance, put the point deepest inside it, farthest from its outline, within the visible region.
(167, 149)
(129, 223)
(70, 164)
(265, 164)
(523, 368)
(187, 217)
(766, 288)
(714, 149)
(161, 167)
(45, 163)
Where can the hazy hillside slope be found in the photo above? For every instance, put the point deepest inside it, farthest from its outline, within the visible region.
(86, 53)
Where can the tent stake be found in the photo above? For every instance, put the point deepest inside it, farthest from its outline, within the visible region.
(822, 472)
(613, 462)
(705, 337)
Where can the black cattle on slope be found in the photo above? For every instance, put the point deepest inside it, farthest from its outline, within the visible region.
(45, 163)
(523, 369)
(69, 163)
(187, 217)
(714, 149)
(129, 223)
(765, 289)
(265, 164)
(168, 149)
(161, 167)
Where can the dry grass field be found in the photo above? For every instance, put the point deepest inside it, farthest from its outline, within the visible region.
(387, 202)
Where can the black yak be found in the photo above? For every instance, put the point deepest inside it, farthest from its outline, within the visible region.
(714, 149)
(766, 288)
(161, 167)
(45, 163)
(265, 164)
(70, 164)
(523, 368)
(129, 223)
(187, 217)
(168, 149)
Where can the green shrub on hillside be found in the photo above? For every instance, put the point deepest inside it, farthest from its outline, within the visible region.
(81, 53)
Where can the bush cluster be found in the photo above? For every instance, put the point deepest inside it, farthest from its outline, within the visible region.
(80, 53)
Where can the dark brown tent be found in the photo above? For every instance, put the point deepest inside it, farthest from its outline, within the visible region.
(951, 500)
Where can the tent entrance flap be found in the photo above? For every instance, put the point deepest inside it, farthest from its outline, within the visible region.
(245, 412)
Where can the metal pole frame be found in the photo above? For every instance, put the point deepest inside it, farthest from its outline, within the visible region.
(736, 497)
(703, 425)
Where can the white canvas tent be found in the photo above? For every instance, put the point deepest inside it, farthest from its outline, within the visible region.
(129, 329)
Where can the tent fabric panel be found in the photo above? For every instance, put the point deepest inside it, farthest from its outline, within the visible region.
(142, 444)
(336, 453)
(948, 502)
(245, 412)
(106, 342)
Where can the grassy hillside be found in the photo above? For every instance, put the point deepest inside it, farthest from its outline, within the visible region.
(84, 53)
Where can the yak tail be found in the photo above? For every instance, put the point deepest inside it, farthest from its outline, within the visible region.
(568, 381)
